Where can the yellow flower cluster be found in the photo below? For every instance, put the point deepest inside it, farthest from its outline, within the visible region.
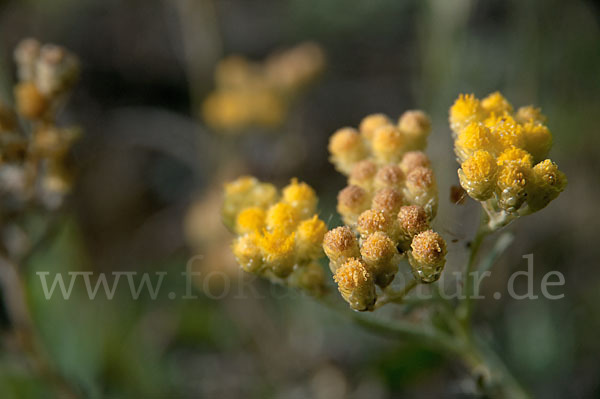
(503, 157)
(33, 156)
(387, 207)
(258, 94)
(279, 236)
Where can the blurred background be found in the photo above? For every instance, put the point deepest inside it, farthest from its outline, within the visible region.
(150, 172)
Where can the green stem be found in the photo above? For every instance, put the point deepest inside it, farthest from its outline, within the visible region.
(395, 296)
(466, 307)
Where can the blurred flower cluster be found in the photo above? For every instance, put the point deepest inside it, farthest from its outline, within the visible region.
(503, 157)
(387, 207)
(279, 236)
(259, 94)
(33, 148)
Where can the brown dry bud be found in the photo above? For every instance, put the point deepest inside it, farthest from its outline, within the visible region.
(412, 220)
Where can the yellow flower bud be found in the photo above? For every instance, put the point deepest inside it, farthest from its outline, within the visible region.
(371, 123)
(388, 144)
(301, 196)
(282, 216)
(478, 175)
(278, 251)
(389, 176)
(496, 103)
(356, 284)
(351, 202)
(513, 178)
(548, 183)
(428, 256)
(248, 253)
(416, 126)
(309, 238)
(473, 137)
(465, 110)
(412, 159)
(515, 155)
(346, 148)
(412, 220)
(362, 174)
(507, 132)
(538, 140)
(339, 245)
(530, 114)
(379, 252)
(250, 220)
(387, 200)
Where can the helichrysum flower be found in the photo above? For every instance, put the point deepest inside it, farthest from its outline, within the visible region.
(356, 284)
(392, 197)
(379, 253)
(478, 174)
(416, 127)
(309, 238)
(346, 148)
(388, 144)
(279, 240)
(249, 94)
(301, 197)
(500, 152)
(371, 123)
(340, 244)
(412, 220)
(427, 256)
(352, 201)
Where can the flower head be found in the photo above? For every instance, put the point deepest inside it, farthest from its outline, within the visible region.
(427, 256)
(356, 284)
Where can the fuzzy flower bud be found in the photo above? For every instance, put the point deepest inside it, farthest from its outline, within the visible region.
(379, 252)
(538, 140)
(278, 251)
(371, 123)
(387, 200)
(247, 253)
(513, 179)
(496, 103)
(282, 216)
(388, 145)
(250, 220)
(309, 238)
(530, 114)
(412, 220)
(412, 159)
(371, 221)
(475, 136)
(362, 174)
(300, 196)
(356, 284)
(416, 126)
(389, 176)
(421, 189)
(346, 148)
(466, 109)
(428, 256)
(548, 183)
(478, 175)
(351, 202)
(339, 245)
